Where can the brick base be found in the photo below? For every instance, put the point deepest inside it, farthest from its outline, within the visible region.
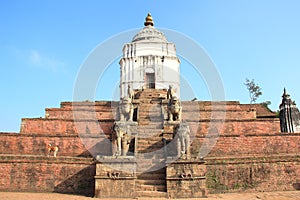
(186, 179)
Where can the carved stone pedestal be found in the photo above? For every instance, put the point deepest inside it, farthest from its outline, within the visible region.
(186, 178)
(115, 177)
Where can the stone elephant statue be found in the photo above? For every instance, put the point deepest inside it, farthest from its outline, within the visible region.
(122, 139)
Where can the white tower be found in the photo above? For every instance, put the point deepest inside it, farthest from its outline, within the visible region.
(149, 61)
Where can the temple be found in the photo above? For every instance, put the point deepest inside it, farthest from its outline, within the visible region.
(149, 61)
(289, 114)
(150, 142)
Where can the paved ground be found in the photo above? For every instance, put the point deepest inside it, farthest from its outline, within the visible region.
(294, 195)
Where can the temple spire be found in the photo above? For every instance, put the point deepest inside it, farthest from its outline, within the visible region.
(149, 20)
(285, 94)
(289, 114)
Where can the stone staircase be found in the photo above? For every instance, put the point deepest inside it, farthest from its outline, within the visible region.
(150, 120)
(151, 172)
(151, 183)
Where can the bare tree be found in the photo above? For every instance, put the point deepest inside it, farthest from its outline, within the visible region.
(254, 90)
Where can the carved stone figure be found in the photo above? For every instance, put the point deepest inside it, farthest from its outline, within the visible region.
(126, 109)
(130, 93)
(122, 139)
(174, 109)
(183, 140)
(170, 93)
(52, 148)
(113, 175)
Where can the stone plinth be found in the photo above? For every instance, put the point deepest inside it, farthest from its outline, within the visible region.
(186, 178)
(115, 177)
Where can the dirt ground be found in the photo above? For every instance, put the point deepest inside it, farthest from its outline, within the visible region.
(232, 196)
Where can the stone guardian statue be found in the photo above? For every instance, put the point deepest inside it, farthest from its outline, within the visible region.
(183, 140)
(126, 109)
(122, 139)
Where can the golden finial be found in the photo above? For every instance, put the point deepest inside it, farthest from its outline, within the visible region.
(149, 20)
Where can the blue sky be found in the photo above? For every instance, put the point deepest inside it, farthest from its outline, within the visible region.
(44, 43)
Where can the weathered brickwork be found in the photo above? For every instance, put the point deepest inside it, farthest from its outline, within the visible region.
(250, 153)
(119, 175)
(245, 127)
(71, 145)
(42, 174)
(186, 179)
(280, 143)
(264, 173)
(59, 126)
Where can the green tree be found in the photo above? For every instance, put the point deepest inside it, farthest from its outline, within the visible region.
(253, 89)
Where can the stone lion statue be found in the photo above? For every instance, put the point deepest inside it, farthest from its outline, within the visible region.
(122, 139)
(183, 140)
(174, 109)
(126, 109)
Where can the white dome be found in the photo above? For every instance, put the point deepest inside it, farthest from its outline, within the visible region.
(149, 34)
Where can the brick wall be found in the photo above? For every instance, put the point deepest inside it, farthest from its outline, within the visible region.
(55, 126)
(47, 174)
(262, 173)
(69, 145)
(256, 144)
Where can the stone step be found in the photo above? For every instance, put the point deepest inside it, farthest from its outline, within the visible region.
(153, 135)
(148, 148)
(150, 118)
(152, 124)
(152, 194)
(148, 124)
(149, 112)
(150, 182)
(146, 113)
(156, 175)
(146, 119)
(148, 174)
(150, 128)
(152, 100)
(149, 140)
(151, 94)
(145, 187)
(150, 159)
(150, 107)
